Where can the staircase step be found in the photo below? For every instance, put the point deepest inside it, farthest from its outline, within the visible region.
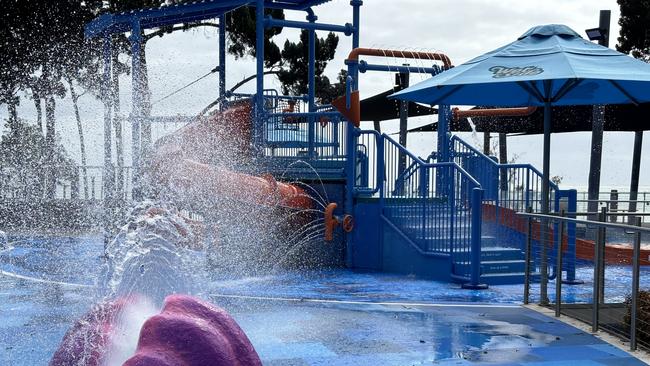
(506, 278)
(501, 266)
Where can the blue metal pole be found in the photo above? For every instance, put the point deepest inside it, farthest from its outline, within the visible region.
(136, 108)
(222, 59)
(365, 66)
(356, 10)
(311, 17)
(347, 29)
(107, 178)
(259, 54)
(475, 261)
(442, 182)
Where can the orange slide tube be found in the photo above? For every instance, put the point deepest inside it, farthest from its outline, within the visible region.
(435, 56)
(493, 112)
(180, 161)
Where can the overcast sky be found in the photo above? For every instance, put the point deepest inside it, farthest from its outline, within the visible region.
(461, 29)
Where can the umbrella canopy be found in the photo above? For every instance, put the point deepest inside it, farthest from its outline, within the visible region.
(620, 117)
(548, 65)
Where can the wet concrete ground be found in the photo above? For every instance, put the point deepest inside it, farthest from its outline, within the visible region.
(334, 317)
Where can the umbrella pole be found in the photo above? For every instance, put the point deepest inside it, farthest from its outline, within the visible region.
(545, 203)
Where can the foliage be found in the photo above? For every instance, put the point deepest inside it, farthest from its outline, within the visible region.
(643, 316)
(635, 28)
(293, 75)
(25, 159)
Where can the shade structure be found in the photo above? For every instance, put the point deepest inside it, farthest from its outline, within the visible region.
(620, 117)
(380, 108)
(548, 65)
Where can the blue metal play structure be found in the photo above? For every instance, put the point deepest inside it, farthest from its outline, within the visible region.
(443, 217)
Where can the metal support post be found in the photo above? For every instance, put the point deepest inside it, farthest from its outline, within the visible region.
(258, 125)
(136, 109)
(636, 261)
(475, 262)
(558, 270)
(543, 288)
(503, 159)
(598, 253)
(636, 169)
(529, 248)
(311, 84)
(598, 121)
(222, 59)
(403, 83)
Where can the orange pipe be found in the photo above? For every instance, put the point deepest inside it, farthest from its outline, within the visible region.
(355, 53)
(494, 112)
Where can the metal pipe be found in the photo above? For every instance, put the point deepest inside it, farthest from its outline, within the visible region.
(636, 260)
(259, 55)
(596, 290)
(107, 177)
(353, 56)
(601, 274)
(347, 29)
(364, 66)
(136, 113)
(558, 266)
(529, 247)
(311, 81)
(493, 112)
(636, 168)
(545, 199)
(222, 58)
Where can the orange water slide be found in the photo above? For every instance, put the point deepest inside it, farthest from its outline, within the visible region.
(191, 162)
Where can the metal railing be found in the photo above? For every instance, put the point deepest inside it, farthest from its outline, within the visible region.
(435, 206)
(611, 290)
(513, 186)
(290, 131)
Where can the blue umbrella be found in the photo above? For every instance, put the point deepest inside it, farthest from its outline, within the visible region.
(547, 65)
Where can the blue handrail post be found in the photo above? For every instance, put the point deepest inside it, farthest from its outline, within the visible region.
(475, 275)
(443, 148)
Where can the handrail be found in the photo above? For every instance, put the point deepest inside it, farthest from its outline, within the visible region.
(498, 165)
(353, 56)
(432, 165)
(586, 222)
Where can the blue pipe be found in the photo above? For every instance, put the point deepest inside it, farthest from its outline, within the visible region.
(270, 22)
(136, 110)
(222, 57)
(107, 177)
(259, 55)
(311, 18)
(364, 66)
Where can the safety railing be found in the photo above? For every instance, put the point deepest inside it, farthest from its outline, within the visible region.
(611, 290)
(292, 132)
(436, 206)
(513, 186)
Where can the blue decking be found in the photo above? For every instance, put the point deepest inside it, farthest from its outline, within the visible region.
(329, 317)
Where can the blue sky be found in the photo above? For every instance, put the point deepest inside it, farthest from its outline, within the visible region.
(462, 29)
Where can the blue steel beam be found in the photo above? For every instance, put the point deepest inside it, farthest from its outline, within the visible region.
(364, 67)
(346, 29)
(222, 58)
(311, 70)
(259, 55)
(181, 13)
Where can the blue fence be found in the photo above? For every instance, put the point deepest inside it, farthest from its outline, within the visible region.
(433, 205)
